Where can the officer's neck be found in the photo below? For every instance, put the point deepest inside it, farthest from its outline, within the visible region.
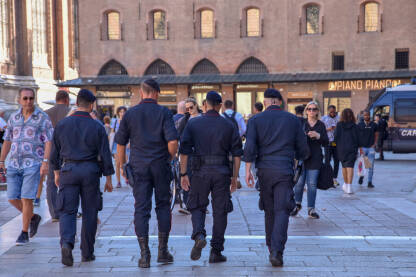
(85, 110)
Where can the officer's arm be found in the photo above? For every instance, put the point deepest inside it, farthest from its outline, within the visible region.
(104, 152)
(250, 148)
(184, 163)
(55, 158)
(122, 138)
(301, 144)
(186, 147)
(170, 133)
(173, 148)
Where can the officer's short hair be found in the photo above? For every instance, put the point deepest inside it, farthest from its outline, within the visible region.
(61, 95)
(228, 104)
(150, 86)
(258, 106)
(85, 98)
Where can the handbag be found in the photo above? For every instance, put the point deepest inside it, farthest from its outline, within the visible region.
(361, 170)
(298, 172)
(326, 177)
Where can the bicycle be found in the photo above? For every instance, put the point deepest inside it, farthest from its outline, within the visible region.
(175, 186)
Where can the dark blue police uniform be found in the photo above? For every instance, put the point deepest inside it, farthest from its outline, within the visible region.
(274, 139)
(78, 143)
(209, 139)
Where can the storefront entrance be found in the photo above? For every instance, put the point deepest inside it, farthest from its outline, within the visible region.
(199, 92)
(108, 100)
(340, 99)
(246, 96)
(298, 98)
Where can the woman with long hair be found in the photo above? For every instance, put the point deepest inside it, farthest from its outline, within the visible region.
(317, 138)
(347, 141)
(116, 124)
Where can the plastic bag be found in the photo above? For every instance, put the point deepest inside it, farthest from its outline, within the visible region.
(361, 170)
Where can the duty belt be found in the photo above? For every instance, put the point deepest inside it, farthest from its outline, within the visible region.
(213, 160)
(79, 161)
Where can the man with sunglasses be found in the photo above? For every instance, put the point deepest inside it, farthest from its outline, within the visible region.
(28, 139)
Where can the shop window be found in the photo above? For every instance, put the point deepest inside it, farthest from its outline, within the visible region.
(340, 99)
(405, 110)
(337, 61)
(205, 67)
(113, 68)
(252, 65)
(207, 25)
(159, 67)
(39, 32)
(312, 19)
(402, 58)
(4, 30)
(159, 25)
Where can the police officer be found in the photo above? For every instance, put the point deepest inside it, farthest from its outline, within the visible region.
(209, 139)
(79, 142)
(274, 139)
(153, 142)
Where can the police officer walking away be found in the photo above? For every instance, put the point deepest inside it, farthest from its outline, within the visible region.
(209, 139)
(274, 139)
(153, 142)
(79, 142)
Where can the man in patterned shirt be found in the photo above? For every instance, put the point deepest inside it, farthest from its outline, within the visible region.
(28, 139)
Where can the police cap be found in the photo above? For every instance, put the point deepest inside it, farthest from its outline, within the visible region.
(153, 84)
(214, 97)
(272, 93)
(86, 95)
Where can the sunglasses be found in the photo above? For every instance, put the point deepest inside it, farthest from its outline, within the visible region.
(190, 108)
(312, 109)
(28, 98)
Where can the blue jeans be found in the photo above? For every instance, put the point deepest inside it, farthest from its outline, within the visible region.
(309, 176)
(371, 154)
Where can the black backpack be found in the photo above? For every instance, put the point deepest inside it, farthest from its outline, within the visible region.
(232, 119)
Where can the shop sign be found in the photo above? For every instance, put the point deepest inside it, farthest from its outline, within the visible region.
(251, 86)
(195, 87)
(362, 84)
(300, 95)
(105, 102)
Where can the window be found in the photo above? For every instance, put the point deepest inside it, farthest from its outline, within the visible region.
(159, 67)
(340, 99)
(402, 58)
(252, 65)
(113, 26)
(205, 67)
(337, 61)
(4, 30)
(159, 25)
(207, 24)
(312, 19)
(113, 67)
(371, 17)
(39, 32)
(253, 22)
(405, 110)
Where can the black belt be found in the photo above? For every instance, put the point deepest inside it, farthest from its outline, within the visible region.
(79, 161)
(213, 160)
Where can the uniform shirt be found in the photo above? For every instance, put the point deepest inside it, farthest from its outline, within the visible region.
(28, 138)
(57, 113)
(211, 135)
(367, 133)
(242, 128)
(81, 138)
(274, 138)
(330, 122)
(149, 127)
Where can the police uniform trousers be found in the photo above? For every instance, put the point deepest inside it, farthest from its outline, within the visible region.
(277, 201)
(156, 176)
(79, 179)
(202, 184)
(51, 194)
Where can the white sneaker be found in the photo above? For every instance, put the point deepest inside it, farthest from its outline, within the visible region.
(349, 189)
(344, 187)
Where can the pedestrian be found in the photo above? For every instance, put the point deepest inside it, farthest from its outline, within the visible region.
(181, 111)
(154, 143)
(28, 136)
(209, 139)
(192, 111)
(258, 108)
(274, 139)
(368, 140)
(94, 115)
(80, 156)
(116, 125)
(299, 111)
(317, 138)
(383, 134)
(107, 126)
(347, 141)
(3, 125)
(56, 114)
(331, 120)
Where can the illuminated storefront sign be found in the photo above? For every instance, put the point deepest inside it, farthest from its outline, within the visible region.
(363, 84)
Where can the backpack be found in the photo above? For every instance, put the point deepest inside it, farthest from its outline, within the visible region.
(232, 118)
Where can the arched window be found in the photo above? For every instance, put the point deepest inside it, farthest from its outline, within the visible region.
(205, 67)
(159, 24)
(4, 30)
(113, 26)
(113, 67)
(312, 19)
(253, 22)
(159, 67)
(39, 32)
(371, 17)
(252, 65)
(207, 24)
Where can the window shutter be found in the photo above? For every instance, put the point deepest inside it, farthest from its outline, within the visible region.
(241, 28)
(381, 22)
(147, 31)
(301, 25)
(195, 27)
(103, 27)
(121, 31)
(323, 25)
(198, 26)
(244, 24)
(167, 29)
(262, 28)
(215, 29)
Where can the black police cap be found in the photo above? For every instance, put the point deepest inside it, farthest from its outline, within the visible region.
(86, 95)
(153, 84)
(272, 93)
(214, 97)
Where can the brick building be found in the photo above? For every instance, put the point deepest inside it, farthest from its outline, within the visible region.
(336, 52)
(38, 46)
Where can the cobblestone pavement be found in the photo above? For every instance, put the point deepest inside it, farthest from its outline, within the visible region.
(371, 233)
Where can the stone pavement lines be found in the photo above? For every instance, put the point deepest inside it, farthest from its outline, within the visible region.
(247, 256)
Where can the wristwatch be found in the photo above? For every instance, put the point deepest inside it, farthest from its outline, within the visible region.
(183, 174)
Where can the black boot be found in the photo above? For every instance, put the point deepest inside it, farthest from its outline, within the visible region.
(276, 259)
(163, 255)
(216, 257)
(144, 261)
(67, 258)
(200, 243)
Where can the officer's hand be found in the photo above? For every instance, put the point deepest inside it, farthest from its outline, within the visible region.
(233, 186)
(57, 181)
(108, 186)
(185, 183)
(250, 180)
(44, 169)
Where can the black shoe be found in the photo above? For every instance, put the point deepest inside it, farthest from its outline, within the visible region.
(144, 261)
(296, 210)
(216, 257)
(23, 239)
(34, 224)
(360, 181)
(313, 214)
(370, 185)
(88, 259)
(200, 243)
(67, 258)
(163, 255)
(276, 259)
